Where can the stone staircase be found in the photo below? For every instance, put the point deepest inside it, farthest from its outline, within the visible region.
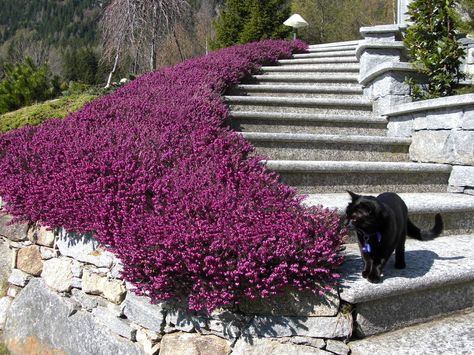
(309, 117)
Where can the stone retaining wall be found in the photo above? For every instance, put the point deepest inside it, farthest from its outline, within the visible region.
(65, 296)
(442, 131)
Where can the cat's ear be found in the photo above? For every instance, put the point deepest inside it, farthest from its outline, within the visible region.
(353, 195)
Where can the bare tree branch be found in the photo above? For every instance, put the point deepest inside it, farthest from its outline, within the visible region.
(135, 28)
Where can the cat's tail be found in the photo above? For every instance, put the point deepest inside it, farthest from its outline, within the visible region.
(415, 232)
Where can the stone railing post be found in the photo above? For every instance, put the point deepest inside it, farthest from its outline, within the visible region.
(402, 17)
(384, 67)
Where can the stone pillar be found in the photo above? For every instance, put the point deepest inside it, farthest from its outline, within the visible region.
(402, 17)
(384, 67)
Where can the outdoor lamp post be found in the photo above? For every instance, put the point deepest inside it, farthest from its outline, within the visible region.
(295, 21)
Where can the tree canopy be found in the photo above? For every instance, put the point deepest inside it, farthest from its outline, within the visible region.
(243, 21)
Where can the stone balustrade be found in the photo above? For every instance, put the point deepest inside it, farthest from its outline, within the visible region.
(442, 131)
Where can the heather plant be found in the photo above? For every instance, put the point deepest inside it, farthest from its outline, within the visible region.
(156, 174)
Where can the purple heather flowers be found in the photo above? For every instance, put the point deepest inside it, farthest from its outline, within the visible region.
(156, 174)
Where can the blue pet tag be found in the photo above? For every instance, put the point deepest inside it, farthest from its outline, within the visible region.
(366, 248)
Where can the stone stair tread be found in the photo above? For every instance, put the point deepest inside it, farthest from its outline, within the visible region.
(356, 166)
(430, 264)
(416, 202)
(325, 138)
(307, 116)
(333, 54)
(333, 48)
(450, 335)
(339, 77)
(335, 44)
(294, 101)
(332, 67)
(311, 58)
(300, 88)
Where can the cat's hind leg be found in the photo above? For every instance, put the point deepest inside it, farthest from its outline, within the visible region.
(400, 256)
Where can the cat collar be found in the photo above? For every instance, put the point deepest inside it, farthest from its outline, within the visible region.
(366, 248)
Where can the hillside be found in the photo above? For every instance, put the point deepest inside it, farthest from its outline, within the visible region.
(56, 22)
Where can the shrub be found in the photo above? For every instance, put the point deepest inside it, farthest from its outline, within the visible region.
(25, 84)
(37, 114)
(467, 15)
(153, 170)
(432, 45)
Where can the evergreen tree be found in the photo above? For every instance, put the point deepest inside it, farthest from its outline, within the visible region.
(467, 16)
(81, 65)
(432, 44)
(246, 21)
(24, 83)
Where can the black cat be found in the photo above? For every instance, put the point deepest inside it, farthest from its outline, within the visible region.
(382, 224)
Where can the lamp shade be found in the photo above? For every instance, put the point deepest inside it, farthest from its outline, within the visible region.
(295, 21)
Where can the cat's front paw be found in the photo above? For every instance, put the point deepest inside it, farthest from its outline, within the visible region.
(374, 279)
(365, 274)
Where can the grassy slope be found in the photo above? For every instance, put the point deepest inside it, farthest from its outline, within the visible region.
(37, 114)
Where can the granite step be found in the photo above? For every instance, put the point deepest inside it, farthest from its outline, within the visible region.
(334, 54)
(299, 105)
(451, 335)
(457, 210)
(313, 68)
(304, 78)
(438, 280)
(321, 58)
(347, 47)
(300, 146)
(332, 49)
(251, 121)
(336, 44)
(309, 91)
(310, 177)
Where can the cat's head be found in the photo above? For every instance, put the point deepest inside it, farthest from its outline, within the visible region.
(364, 213)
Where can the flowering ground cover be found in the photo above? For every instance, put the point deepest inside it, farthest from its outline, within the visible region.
(156, 174)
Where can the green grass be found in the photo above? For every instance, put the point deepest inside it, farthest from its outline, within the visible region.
(3, 288)
(467, 89)
(3, 349)
(38, 113)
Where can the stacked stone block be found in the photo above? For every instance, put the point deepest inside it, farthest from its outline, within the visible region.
(64, 293)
